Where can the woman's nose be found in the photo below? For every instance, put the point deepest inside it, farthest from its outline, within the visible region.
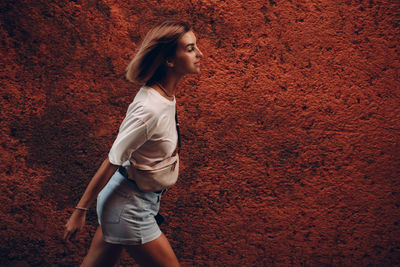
(199, 53)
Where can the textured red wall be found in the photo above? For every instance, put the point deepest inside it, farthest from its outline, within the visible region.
(291, 134)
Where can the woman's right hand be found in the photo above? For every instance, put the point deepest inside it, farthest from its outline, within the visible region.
(74, 224)
(99, 180)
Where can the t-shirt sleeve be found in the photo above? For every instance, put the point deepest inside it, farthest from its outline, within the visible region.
(134, 131)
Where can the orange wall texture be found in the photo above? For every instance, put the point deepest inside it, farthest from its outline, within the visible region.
(291, 133)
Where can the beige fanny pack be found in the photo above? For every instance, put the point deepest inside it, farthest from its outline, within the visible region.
(157, 177)
(160, 176)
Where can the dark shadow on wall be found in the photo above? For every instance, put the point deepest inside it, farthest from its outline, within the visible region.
(59, 141)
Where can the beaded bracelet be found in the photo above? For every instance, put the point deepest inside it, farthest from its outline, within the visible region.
(80, 208)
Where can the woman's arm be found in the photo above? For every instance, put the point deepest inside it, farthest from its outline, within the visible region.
(99, 180)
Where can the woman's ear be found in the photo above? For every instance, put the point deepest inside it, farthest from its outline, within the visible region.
(169, 62)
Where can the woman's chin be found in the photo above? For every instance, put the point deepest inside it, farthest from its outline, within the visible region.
(195, 70)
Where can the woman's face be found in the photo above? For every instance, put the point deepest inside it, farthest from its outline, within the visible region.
(188, 55)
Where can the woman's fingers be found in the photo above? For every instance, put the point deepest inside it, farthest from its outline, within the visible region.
(67, 235)
(74, 225)
(70, 233)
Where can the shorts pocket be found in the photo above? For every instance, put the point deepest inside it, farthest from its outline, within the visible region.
(110, 207)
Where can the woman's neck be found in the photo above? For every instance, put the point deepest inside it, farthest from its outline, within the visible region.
(167, 86)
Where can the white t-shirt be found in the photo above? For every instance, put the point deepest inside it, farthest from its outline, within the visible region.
(148, 133)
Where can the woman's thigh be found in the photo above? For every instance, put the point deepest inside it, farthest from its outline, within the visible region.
(154, 253)
(101, 253)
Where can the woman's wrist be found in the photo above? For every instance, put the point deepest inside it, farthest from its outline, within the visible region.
(81, 208)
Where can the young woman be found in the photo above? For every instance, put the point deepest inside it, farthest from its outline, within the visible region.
(147, 136)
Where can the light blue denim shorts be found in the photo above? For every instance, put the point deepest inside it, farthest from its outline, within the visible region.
(126, 214)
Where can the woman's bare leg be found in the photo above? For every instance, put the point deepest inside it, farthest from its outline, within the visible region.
(101, 253)
(155, 253)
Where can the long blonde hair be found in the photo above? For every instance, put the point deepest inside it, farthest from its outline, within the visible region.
(148, 65)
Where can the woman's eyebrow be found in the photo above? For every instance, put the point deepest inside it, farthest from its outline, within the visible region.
(191, 44)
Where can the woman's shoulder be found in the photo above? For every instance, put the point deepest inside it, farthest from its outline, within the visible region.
(147, 104)
(152, 101)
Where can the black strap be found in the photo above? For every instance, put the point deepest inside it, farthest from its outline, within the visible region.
(178, 131)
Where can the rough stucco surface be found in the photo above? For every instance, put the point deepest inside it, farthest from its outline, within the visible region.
(291, 134)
